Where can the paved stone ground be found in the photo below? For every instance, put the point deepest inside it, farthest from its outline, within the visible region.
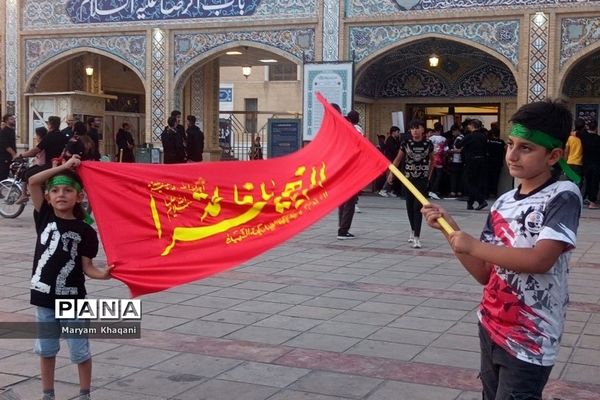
(314, 319)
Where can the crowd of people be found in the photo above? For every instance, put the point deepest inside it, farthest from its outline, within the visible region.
(467, 161)
(182, 145)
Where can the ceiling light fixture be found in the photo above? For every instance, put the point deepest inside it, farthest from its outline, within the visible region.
(89, 70)
(268, 60)
(434, 60)
(247, 69)
(233, 53)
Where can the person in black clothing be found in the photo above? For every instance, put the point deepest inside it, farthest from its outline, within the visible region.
(180, 129)
(68, 131)
(591, 164)
(474, 152)
(8, 145)
(52, 144)
(417, 152)
(495, 150)
(195, 140)
(125, 144)
(92, 131)
(173, 149)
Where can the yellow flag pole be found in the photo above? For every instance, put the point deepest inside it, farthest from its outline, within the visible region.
(422, 199)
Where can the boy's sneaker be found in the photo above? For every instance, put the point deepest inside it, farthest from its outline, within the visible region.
(345, 236)
(416, 243)
(383, 193)
(411, 238)
(434, 196)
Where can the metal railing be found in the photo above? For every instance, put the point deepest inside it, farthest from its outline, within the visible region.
(236, 141)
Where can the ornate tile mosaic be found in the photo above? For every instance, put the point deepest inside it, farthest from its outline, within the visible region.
(358, 8)
(331, 28)
(131, 49)
(576, 34)
(482, 81)
(584, 79)
(11, 48)
(159, 76)
(189, 46)
(500, 36)
(53, 14)
(538, 57)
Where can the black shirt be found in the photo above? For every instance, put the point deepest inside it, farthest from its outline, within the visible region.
(474, 145)
(53, 144)
(195, 143)
(7, 139)
(416, 157)
(495, 149)
(57, 269)
(173, 149)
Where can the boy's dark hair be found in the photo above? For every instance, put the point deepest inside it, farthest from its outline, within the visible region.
(353, 116)
(41, 131)
(415, 123)
(172, 121)
(579, 124)
(175, 113)
(477, 124)
(78, 211)
(54, 122)
(5, 117)
(191, 119)
(438, 126)
(549, 116)
(394, 129)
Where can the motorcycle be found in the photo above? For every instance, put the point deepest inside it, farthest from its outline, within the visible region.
(11, 190)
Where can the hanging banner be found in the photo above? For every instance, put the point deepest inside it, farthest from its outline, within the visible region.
(166, 225)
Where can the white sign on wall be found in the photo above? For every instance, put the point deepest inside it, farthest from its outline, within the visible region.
(335, 82)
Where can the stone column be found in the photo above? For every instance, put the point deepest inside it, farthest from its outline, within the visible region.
(210, 110)
(11, 57)
(158, 85)
(537, 77)
(331, 28)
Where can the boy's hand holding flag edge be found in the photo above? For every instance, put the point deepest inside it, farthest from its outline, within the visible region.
(167, 225)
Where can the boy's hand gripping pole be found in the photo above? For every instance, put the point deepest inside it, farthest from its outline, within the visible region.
(422, 199)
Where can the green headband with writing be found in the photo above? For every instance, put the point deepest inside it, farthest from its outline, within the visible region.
(548, 142)
(63, 180)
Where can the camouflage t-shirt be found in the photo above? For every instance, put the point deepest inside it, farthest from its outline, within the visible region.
(524, 313)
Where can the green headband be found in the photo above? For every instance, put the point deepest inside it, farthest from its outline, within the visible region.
(548, 142)
(63, 180)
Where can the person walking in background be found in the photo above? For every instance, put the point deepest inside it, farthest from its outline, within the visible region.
(8, 145)
(474, 151)
(180, 129)
(125, 144)
(574, 148)
(195, 140)
(92, 131)
(495, 150)
(256, 151)
(172, 142)
(440, 147)
(347, 209)
(417, 152)
(456, 163)
(591, 165)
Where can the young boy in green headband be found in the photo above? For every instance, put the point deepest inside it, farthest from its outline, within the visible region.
(522, 257)
(63, 254)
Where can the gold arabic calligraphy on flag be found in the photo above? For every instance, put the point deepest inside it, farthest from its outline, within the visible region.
(289, 200)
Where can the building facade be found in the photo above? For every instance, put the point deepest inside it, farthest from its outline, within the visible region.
(136, 60)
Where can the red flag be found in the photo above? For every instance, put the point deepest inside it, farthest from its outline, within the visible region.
(166, 225)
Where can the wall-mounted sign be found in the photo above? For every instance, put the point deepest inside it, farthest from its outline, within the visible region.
(284, 136)
(94, 11)
(334, 82)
